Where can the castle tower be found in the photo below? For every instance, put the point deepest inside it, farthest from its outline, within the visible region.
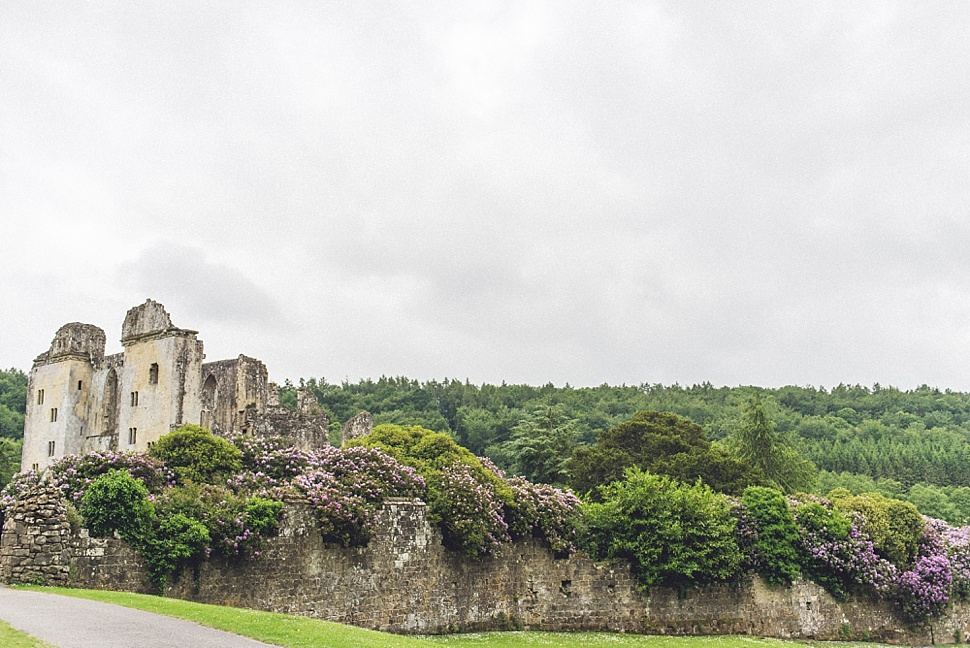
(60, 394)
(159, 382)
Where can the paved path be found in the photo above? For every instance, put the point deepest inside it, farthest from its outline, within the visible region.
(77, 623)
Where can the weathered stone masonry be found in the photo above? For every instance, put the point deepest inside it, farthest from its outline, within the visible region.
(406, 581)
(80, 400)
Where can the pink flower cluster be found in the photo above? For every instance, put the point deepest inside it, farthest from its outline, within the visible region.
(546, 512)
(346, 487)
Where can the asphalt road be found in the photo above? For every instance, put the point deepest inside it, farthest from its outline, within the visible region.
(76, 623)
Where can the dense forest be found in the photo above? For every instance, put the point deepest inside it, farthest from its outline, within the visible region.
(907, 444)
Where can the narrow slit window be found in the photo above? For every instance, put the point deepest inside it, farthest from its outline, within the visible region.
(79, 385)
(132, 436)
(53, 414)
(40, 396)
(50, 448)
(153, 374)
(35, 467)
(134, 399)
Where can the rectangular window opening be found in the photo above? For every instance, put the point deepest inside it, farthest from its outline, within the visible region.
(132, 436)
(79, 385)
(53, 414)
(153, 374)
(35, 467)
(134, 399)
(40, 396)
(50, 448)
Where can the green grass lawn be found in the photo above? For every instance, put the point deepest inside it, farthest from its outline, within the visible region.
(10, 638)
(303, 632)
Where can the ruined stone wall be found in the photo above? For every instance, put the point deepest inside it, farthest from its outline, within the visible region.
(34, 543)
(406, 581)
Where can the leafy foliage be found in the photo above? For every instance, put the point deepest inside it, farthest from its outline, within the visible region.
(674, 534)
(837, 555)
(772, 539)
(541, 444)
(758, 444)
(195, 454)
(895, 527)
(545, 512)
(9, 459)
(662, 443)
(13, 403)
(116, 501)
(346, 487)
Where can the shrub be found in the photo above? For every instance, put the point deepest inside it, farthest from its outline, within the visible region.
(195, 454)
(545, 512)
(674, 534)
(236, 526)
(469, 510)
(464, 496)
(174, 541)
(116, 501)
(837, 555)
(346, 486)
(774, 549)
(894, 526)
(924, 591)
(270, 456)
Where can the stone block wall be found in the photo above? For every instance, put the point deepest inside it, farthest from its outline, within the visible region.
(34, 544)
(406, 581)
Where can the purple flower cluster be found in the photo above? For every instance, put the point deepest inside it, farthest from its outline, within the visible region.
(924, 591)
(73, 473)
(746, 535)
(956, 540)
(347, 486)
(271, 457)
(545, 512)
(469, 510)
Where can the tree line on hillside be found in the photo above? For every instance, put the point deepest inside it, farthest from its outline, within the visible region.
(913, 444)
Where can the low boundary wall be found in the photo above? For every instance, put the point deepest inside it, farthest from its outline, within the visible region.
(406, 581)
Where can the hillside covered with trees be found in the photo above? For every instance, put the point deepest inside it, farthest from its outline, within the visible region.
(907, 444)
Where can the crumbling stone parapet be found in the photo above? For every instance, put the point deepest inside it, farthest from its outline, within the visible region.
(34, 545)
(359, 426)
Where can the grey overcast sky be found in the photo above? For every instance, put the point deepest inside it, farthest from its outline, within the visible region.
(760, 193)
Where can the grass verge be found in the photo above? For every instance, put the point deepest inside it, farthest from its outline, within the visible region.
(12, 638)
(279, 629)
(302, 632)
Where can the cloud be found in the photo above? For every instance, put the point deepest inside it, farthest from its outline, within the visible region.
(181, 276)
(529, 191)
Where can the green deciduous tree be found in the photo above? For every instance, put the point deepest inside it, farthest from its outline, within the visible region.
(662, 443)
(9, 459)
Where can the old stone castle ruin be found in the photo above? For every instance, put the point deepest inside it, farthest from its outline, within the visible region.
(80, 400)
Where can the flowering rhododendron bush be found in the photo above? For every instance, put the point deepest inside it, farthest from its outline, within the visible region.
(346, 487)
(477, 508)
(74, 473)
